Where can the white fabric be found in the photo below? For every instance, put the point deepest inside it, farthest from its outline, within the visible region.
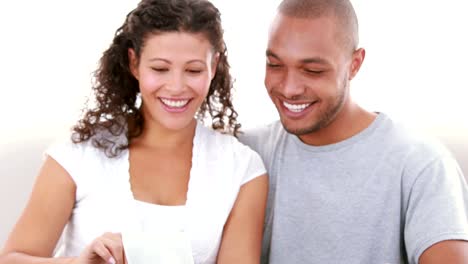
(166, 242)
(157, 247)
(105, 203)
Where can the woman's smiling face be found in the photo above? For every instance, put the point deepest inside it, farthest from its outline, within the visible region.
(174, 72)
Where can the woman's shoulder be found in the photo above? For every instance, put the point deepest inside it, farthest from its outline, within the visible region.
(86, 164)
(222, 142)
(78, 156)
(67, 148)
(229, 151)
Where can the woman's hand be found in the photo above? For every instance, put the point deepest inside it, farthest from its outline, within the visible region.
(105, 249)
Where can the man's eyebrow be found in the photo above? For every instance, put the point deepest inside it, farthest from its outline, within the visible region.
(316, 60)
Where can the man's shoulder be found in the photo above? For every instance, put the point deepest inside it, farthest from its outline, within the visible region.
(265, 136)
(417, 145)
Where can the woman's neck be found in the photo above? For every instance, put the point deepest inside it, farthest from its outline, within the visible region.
(156, 136)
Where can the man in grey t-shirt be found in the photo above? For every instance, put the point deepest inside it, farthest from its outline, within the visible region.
(347, 185)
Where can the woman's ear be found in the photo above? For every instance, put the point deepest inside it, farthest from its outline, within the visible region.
(214, 64)
(133, 63)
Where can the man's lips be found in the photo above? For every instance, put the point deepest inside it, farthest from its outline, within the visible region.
(298, 109)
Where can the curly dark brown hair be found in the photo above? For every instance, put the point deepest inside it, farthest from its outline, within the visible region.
(116, 89)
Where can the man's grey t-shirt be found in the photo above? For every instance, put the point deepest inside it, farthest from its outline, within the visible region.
(381, 196)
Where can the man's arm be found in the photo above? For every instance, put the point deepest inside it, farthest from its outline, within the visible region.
(449, 251)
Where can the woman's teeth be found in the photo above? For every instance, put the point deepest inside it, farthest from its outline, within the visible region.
(296, 108)
(175, 103)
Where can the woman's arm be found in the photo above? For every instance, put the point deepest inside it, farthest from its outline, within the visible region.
(19, 258)
(39, 228)
(242, 235)
(36, 233)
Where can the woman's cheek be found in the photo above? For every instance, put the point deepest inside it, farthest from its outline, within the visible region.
(150, 82)
(201, 84)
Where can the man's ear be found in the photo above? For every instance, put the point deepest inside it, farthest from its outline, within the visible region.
(356, 62)
(214, 64)
(133, 63)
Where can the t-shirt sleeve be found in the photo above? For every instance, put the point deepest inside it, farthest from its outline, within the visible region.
(252, 163)
(71, 157)
(437, 207)
(264, 141)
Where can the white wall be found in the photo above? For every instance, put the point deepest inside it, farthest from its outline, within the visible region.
(414, 71)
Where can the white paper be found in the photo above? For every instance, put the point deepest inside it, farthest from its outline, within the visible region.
(161, 247)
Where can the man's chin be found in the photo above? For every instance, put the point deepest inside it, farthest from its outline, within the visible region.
(298, 128)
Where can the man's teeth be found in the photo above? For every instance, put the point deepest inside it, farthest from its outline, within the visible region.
(175, 103)
(296, 107)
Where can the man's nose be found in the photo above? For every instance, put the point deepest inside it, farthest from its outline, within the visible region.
(291, 85)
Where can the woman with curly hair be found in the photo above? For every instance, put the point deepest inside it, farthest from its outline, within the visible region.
(141, 176)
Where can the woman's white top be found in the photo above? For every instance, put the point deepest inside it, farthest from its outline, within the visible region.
(105, 202)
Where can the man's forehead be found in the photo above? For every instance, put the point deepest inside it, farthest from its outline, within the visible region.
(287, 31)
(301, 27)
(317, 33)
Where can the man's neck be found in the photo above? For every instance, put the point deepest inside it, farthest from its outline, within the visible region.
(350, 121)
